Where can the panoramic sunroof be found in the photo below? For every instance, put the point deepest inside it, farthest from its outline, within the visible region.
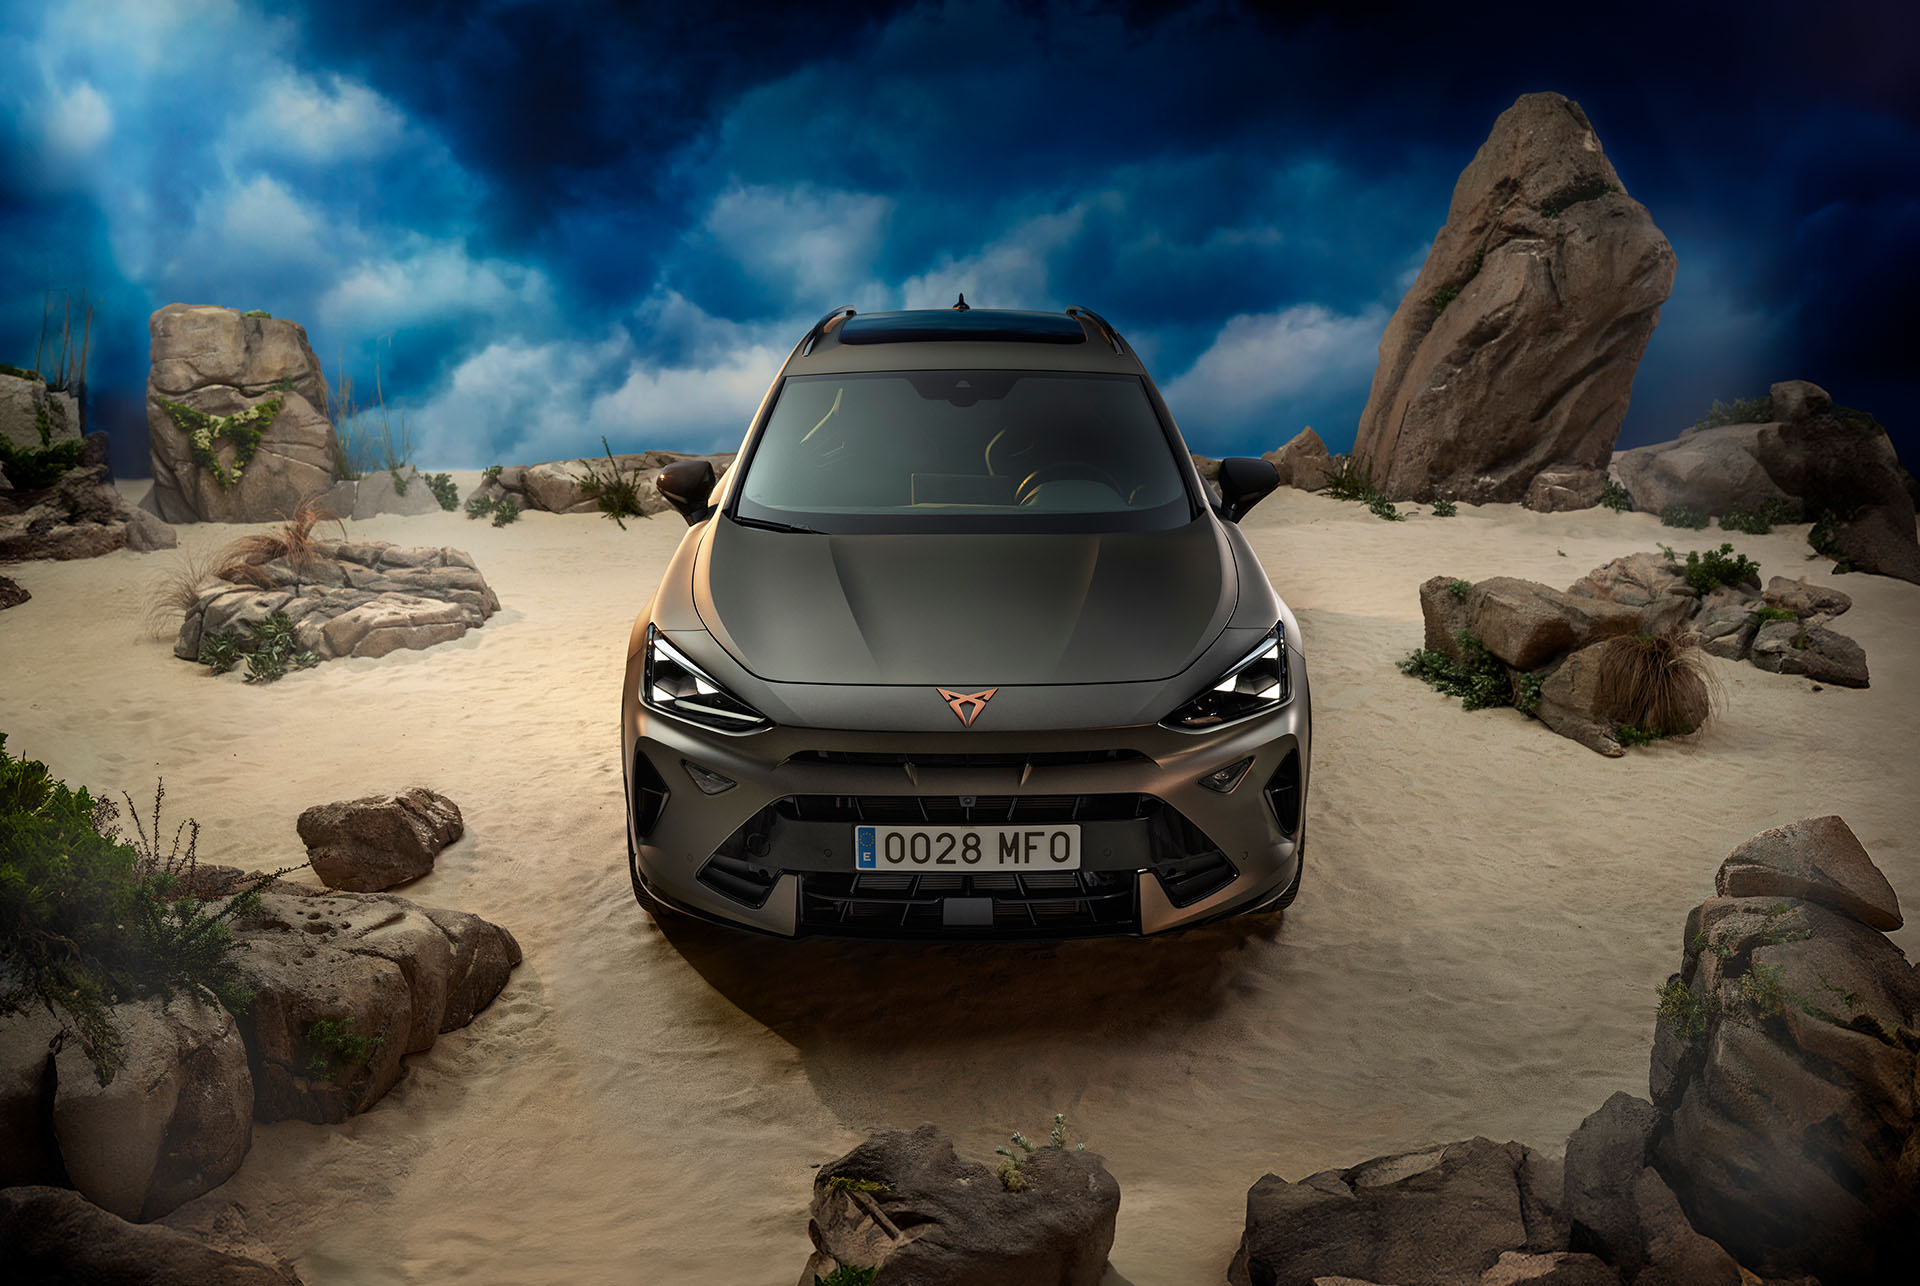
(953, 324)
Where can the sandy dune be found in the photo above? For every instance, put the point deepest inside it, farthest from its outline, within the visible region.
(1486, 912)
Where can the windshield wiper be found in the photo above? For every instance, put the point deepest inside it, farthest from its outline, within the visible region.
(768, 525)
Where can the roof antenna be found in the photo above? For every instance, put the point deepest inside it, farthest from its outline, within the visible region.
(962, 306)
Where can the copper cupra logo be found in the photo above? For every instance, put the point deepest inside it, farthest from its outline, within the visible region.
(967, 705)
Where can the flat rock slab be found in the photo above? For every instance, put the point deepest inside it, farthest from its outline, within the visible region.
(1818, 859)
(1803, 599)
(1818, 653)
(373, 843)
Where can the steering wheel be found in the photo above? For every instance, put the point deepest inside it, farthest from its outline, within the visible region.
(1029, 485)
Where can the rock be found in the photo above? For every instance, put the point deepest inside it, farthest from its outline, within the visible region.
(27, 405)
(557, 486)
(348, 598)
(174, 1122)
(1554, 279)
(1604, 1159)
(55, 1235)
(1675, 1254)
(369, 844)
(1558, 490)
(346, 984)
(1526, 624)
(1795, 400)
(1802, 599)
(941, 1221)
(79, 515)
(28, 1152)
(1445, 614)
(1784, 1066)
(1446, 1214)
(1823, 655)
(1302, 462)
(12, 594)
(219, 362)
(1708, 470)
(1727, 630)
(375, 494)
(1570, 703)
(1562, 1268)
(1818, 859)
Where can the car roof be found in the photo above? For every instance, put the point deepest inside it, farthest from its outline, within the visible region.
(962, 339)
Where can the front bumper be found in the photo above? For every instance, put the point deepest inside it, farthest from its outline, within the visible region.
(775, 851)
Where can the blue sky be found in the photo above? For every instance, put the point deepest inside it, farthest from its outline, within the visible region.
(553, 222)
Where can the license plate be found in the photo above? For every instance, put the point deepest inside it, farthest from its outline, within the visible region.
(966, 848)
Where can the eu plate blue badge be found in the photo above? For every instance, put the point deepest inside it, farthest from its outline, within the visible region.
(864, 857)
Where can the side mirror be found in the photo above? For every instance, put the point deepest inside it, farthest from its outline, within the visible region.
(686, 484)
(1244, 483)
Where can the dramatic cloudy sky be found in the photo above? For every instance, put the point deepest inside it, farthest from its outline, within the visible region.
(554, 221)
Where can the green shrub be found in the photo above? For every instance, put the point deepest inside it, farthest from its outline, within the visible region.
(1381, 507)
(1480, 679)
(87, 919)
(1679, 1006)
(1443, 296)
(441, 484)
(1009, 1172)
(399, 482)
(1742, 410)
(1628, 735)
(849, 1275)
(1720, 567)
(337, 1047)
(1526, 691)
(220, 651)
(480, 506)
(1445, 508)
(1683, 516)
(21, 373)
(270, 649)
(1775, 614)
(1459, 588)
(1765, 988)
(30, 469)
(243, 428)
(506, 510)
(1759, 520)
(1615, 497)
(616, 492)
(1349, 479)
(1821, 536)
(490, 474)
(256, 312)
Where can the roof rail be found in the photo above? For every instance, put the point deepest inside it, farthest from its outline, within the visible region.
(1100, 323)
(822, 326)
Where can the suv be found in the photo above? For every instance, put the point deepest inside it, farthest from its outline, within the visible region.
(963, 646)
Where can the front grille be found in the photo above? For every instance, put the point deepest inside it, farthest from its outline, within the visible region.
(993, 903)
(985, 810)
(735, 877)
(1010, 759)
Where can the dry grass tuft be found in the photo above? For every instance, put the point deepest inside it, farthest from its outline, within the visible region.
(243, 560)
(1660, 684)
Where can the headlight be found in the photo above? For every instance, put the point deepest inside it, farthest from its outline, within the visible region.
(674, 685)
(1255, 684)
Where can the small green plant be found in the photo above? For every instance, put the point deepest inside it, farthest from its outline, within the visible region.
(1680, 1007)
(1800, 640)
(1719, 567)
(337, 1047)
(399, 482)
(274, 650)
(1759, 520)
(1009, 1171)
(1479, 679)
(1526, 691)
(1822, 536)
(1775, 614)
(616, 491)
(1381, 507)
(1615, 497)
(1666, 552)
(441, 485)
(243, 428)
(20, 373)
(849, 1275)
(1742, 410)
(31, 469)
(1444, 296)
(505, 511)
(1445, 508)
(841, 1183)
(256, 312)
(1765, 988)
(1683, 516)
(1349, 479)
(1459, 588)
(490, 474)
(1590, 190)
(220, 651)
(1628, 735)
(481, 506)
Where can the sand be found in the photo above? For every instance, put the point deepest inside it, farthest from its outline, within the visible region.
(1487, 910)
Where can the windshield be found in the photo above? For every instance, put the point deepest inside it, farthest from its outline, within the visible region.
(912, 451)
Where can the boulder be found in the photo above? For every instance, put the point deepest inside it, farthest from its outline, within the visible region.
(1784, 1067)
(1446, 1214)
(346, 984)
(369, 844)
(348, 598)
(218, 362)
(1673, 1253)
(557, 486)
(80, 515)
(1561, 1268)
(1727, 629)
(1816, 859)
(1708, 470)
(1570, 703)
(29, 1040)
(1648, 582)
(377, 494)
(1802, 599)
(55, 1235)
(1821, 654)
(28, 407)
(1302, 462)
(1558, 490)
(941, 1221)
(172, 1123)
(1515, 350)
(1445, 614)
(1604, 1159)
(12, 594)
(1526, 624)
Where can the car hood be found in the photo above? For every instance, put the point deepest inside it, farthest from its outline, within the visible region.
(965, 611)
